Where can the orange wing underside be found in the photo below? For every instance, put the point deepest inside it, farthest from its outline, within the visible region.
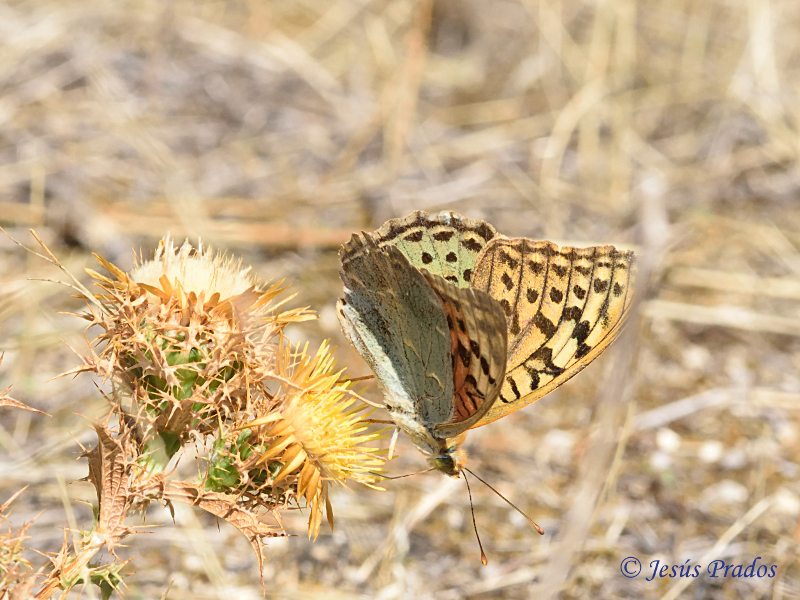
(468, 398)
(478, 342)
(563, 307)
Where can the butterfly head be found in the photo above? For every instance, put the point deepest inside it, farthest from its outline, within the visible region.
(450, 462)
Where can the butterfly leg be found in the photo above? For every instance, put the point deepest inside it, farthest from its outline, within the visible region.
(393, 442)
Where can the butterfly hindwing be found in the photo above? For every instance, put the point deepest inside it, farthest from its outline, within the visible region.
(563, 307)
(396, 321)
(445, 244)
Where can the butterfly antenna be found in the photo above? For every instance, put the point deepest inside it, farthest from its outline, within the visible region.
(539, 530)
(399, 476)
(484, 560)
(354, 379)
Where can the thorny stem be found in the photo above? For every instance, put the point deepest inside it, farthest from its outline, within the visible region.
(74, 569)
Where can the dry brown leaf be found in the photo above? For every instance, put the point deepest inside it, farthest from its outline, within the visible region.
(224, 506)
(110, 469)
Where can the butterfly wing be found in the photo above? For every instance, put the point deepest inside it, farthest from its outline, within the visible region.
(563, 307)
(396, 322)
(446, 244)
(478, 342)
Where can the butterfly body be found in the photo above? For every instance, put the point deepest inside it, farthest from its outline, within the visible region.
(463, 326)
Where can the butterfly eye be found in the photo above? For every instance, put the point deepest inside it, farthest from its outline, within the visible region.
(446, 465)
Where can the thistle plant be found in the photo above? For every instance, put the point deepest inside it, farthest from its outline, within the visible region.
(194, 350)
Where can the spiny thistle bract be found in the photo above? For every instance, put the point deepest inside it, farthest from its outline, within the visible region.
(195, 351)
(16, 573)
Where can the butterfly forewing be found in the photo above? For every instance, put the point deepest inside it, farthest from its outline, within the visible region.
(445, 244)
(478, 344)
(395, 320)
(563, 307)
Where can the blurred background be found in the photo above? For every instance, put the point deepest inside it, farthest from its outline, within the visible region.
(273, 130)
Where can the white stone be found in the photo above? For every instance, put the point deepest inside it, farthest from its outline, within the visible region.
(711, 451)
(667, 440)
(787, 502)
(660, 460)
(726, 491)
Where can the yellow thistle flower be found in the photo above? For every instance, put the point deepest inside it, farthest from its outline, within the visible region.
(318, 431)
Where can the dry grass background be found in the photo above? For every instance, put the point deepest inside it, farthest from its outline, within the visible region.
(275, 129)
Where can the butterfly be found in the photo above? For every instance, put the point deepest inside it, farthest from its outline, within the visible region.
(463, 326)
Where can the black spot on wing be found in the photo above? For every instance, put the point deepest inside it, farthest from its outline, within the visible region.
(472, 245)
(572, 313)
(451, 257)
(476, 349)
(556, 295)
(484, 365)
(570, 255)
(536, 267)
(580, 293)
(463, 354)
(471, 407)
(467, 275)
(507, 259)
(484, 231)
(559, 270)
(600, 286)
(507, 281)
(617, 290)
(534, 375)
(515, 328)
(581, 331)
(416, 236)
(532, 295)
(514, 387)
(545, 325)
(443, 236)
(545, 355)
(427, 258)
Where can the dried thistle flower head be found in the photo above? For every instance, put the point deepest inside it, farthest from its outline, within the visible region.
(190, 335)
(198, 270)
